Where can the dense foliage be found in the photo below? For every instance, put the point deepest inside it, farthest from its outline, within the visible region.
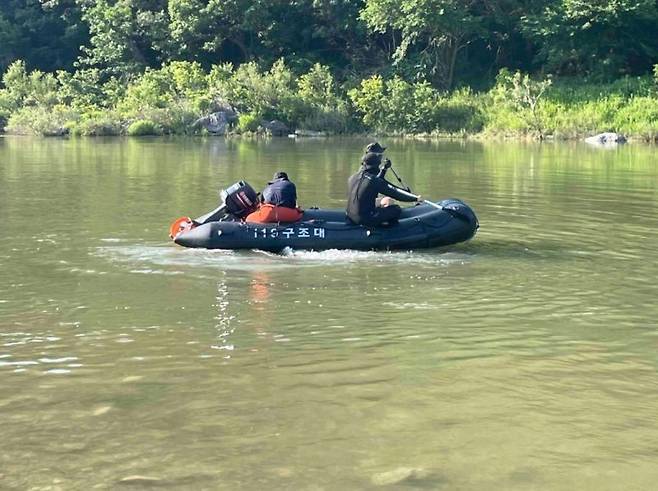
(138, 67)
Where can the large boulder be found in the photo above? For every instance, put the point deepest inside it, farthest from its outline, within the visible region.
(216, 123)
(276, 128)
(608, 138)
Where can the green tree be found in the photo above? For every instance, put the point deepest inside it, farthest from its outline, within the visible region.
(581, 37)
(432, 33)
(126, 35)
(238, 31)
(46, 34)
(35, 88)
(522, 95)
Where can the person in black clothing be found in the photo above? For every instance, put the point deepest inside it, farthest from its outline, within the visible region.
(280, 191)
(365, 185)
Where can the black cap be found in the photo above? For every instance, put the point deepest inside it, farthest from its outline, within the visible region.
(280, 175)
(374, 147)
(372, 159)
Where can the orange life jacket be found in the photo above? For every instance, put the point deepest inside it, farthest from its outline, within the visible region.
(268, 213)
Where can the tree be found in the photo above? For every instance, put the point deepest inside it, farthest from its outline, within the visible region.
(238, 31)
(523, 95)
(601, 38)
(126, 36)
(45, 34)
(432, 33)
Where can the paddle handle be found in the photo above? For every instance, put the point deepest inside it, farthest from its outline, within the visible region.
(431, 203)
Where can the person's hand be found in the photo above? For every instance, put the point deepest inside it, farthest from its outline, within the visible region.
(419, 198)
(387, 164)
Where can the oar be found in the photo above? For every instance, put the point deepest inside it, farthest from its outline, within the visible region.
(408, 189)
(431, 203)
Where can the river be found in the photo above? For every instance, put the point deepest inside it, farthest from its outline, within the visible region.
(526, 358)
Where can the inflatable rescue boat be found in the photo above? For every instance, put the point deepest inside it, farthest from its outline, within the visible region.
(425, 225)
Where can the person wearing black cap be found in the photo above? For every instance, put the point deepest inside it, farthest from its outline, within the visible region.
(364, 187)
(279, 202)
(374, 147)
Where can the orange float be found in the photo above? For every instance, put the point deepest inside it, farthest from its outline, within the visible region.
(182, 224)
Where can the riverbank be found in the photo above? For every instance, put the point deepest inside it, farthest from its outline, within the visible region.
(182, 98)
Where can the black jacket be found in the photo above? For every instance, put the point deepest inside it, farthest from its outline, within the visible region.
(281, 192)
(363, 188)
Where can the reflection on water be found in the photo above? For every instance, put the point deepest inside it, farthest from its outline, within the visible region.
(224, 325)
(523, 359)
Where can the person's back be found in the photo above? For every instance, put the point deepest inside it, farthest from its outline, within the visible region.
(363, 189)
(279, 202)
(362, 194)
(280, 192)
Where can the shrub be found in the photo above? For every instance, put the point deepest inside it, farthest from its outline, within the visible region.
(398, 106)
(316, 88)
(639, 117)
(176, 119)
(39, 120)
(248, 122)
(28, 89)
(143, 127)
(457, 114)
(521, 97)
(98, 122)
(369, 99)
(6, 108)
(171, 97)
(82, 89)
(270, 94)
(331, 121)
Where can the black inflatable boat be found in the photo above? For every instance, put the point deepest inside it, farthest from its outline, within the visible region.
(421, 226)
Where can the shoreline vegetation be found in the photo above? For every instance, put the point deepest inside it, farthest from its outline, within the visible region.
(183, 99)
(560, 69)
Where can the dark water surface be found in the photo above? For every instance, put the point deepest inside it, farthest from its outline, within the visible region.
(524, 359)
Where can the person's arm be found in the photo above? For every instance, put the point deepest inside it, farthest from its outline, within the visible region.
(387, 189)
(385, 167)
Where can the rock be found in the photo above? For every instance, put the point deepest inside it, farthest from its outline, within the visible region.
(216, 123)
(56, 132)
(275, 128)
(606, 139)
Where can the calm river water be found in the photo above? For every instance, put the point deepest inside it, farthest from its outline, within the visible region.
(524, 359)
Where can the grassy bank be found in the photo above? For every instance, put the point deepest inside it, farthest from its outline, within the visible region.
(172, 100)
